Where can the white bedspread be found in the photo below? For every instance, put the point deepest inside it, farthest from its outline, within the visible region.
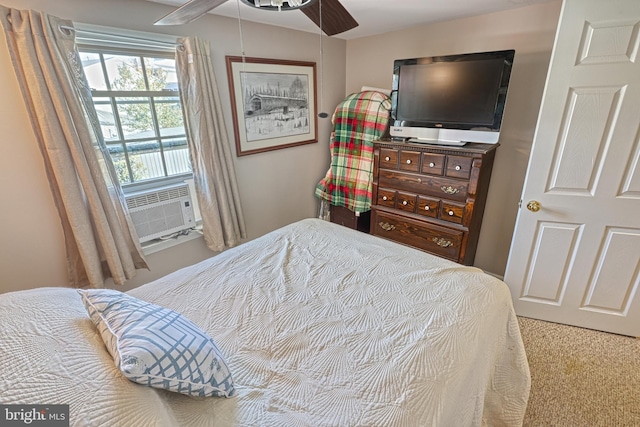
(320, 326)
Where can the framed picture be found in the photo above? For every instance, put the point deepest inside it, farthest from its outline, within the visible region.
(273, 103)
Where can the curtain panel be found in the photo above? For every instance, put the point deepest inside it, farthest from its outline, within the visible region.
(99, 235)
(211, 156)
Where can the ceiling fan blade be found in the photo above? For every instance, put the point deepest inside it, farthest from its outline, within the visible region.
(335, 18)
(189, 11)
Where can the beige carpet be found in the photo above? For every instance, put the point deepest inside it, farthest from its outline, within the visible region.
(581, 377)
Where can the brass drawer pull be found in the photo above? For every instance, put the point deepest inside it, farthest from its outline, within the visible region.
(386, 226)
(449, 189)
(442, 242)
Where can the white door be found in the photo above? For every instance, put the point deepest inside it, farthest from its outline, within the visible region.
(576, 260)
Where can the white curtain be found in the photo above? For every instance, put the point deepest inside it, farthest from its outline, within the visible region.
(99, 235)
(209, 148)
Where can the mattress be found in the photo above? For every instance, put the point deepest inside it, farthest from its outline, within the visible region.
(320, 325)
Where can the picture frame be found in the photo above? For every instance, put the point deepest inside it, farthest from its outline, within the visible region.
(273, 102)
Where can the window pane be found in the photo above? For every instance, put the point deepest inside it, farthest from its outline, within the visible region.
(146, 160)
(169, 115)
(120, 164)
(124, 72)
(176, 156)
(93, 70)
(161, 73)
(107, 118)
(135, 117)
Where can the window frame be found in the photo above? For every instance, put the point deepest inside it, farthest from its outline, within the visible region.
(109, 46)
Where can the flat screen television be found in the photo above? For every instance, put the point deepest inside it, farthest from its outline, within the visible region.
(450, 100)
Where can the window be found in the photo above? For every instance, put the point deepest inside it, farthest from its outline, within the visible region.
(135, 94)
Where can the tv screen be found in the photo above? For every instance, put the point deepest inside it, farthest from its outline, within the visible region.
(463, 92)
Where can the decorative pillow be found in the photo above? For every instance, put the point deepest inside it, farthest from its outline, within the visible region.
(158, 347)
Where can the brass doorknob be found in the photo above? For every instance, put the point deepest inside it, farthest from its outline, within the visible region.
(533, 206)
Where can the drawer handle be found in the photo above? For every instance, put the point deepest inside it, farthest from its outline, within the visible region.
(385, 198)
(458, 167)
(386, 159)
(426, 208)
(451, 213)
(442, 242)
(419, 180)
(449, 189)
(386, 226)
(432, 165)
(404, 202)
(408, 161)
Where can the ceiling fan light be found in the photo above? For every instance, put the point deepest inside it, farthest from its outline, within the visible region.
(279, 4)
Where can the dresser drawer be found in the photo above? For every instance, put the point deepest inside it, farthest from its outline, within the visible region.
(459, 167)
(386, 198)
(410, 161)
(433, 164)
(431, 238)
(427, 185)
(406, 201)
(388, 158)
(452, 212)
(428, 206)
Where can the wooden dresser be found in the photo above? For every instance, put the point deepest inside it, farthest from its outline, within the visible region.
(431, 197)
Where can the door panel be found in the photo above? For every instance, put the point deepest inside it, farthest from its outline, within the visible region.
(612, 267)
(554, 249)
(576, 260)
(631, 187)
(609, 42)
(590, 117)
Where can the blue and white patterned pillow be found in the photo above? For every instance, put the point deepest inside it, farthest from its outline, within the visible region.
(158, 347)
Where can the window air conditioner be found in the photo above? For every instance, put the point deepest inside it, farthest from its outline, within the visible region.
(161, 211)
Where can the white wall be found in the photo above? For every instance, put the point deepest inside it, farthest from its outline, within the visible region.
(530, 31)
(276, 187)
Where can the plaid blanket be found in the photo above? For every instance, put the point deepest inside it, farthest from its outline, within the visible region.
(357, 121)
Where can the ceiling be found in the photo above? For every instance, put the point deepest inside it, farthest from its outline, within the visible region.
(374, 16)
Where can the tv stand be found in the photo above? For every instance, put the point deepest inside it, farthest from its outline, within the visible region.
(444, 142)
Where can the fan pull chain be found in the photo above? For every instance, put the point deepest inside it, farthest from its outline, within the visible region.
(243, 74)
(240, 31)
(322, 114)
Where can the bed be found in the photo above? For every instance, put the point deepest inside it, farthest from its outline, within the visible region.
(319, 325)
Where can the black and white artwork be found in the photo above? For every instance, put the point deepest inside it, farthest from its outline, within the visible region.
(273, 103)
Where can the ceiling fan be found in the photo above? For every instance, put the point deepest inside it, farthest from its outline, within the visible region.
(335, 18)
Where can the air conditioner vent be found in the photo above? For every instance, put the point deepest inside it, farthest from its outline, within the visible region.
(143, 199)
(161, 212)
